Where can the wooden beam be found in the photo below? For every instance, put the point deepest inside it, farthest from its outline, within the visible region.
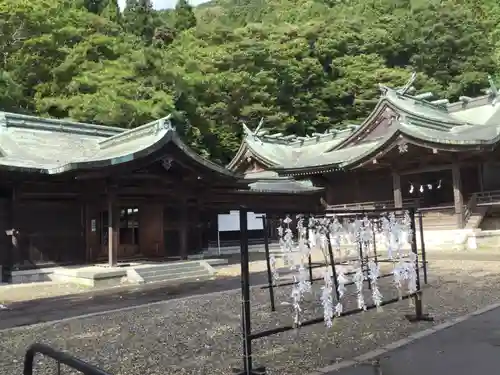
(113, 223)
(396, 187)
(432, 168)
(457, 194)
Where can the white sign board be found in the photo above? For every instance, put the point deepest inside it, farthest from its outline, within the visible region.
(231, 222)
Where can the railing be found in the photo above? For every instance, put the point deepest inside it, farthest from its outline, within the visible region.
(469, 209)
(60, 357)
(486, 197)
(410, 202)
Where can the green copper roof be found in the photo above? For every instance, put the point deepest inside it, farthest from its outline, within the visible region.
(276, 149)
(469, 124)
(49, 146)
(40, 145)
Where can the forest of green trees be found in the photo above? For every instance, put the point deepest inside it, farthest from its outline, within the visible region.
(302, 65)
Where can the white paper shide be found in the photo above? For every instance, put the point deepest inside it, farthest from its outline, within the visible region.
(350, 241)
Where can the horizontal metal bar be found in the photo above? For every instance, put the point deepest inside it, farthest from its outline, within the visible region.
(282, 329)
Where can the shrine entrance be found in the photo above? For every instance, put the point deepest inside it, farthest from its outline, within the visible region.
(128, 234)
(431, 189)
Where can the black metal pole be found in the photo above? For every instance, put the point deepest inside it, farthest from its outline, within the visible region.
(419, 314)
(270, 281)
(311, 279)
(422, 244)
(334, 271)
(375, 256)
(245, 294)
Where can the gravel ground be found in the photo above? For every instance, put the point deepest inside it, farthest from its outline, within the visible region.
(25, 292)
(200, 335)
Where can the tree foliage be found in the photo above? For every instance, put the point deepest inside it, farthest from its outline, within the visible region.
(302, 65)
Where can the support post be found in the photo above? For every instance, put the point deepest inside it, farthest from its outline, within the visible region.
(458, 198)
(396, 187)
(113, 219)
(419, 315)
(480, 177)
(183, 232)
(270, 281)
(245, 301)
(422, 245)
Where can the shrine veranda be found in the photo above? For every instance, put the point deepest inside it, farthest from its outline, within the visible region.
(351, 237)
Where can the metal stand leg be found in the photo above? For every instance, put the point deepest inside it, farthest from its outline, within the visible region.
(419, 315)
(245, 302)
(268, 262)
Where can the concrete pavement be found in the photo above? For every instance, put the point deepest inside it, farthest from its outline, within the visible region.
(471, 346)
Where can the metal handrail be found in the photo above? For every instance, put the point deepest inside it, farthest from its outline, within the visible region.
(60, 357)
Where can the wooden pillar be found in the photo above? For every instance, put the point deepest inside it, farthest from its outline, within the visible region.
(183, 231)
(113, 221)
(396, 187)
(458, 199)
(480, 177)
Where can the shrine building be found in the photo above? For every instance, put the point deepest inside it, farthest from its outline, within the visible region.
(74, 193)
(409, 150)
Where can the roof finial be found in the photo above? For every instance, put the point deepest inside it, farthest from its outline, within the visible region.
(246, 129)
(403, 90)
(261, 122)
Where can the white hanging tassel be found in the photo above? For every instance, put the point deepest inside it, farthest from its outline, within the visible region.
(341, 288)
(274, 269)
(312, 238)
(397, 274)
(326, 297)
(288, 243)
(301, 278)
(421, 188)
(412, 189)
(358, 281)
(412, 274)
(374, 273)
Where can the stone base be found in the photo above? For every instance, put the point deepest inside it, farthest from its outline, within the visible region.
(91, 276)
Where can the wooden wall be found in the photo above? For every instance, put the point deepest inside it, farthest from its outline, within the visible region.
(151, 237)
(49, 232)
(353, 187)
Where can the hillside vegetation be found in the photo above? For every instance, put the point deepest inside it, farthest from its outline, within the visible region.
(302, 65)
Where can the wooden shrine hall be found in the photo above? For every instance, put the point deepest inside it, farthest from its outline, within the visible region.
(82, 193)
(413, 149)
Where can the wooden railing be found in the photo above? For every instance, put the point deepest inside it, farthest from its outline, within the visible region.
(488, 197)
(410, 202)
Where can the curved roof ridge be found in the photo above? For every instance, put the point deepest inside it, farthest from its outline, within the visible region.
(131, 134)
(10, 119)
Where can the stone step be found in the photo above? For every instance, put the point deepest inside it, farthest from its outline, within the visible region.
(186, 276)
(174, 271)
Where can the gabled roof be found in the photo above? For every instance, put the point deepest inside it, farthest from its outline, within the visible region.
(399, 116)
(271, 182)
(276, 150)
(49, 146)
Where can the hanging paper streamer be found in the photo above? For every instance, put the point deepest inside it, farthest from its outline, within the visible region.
(358, 279)
(431, 186)
(374, 273)
(301, 278)
(326, 297)
(274, 269)
(341, 282)
(358, 234)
